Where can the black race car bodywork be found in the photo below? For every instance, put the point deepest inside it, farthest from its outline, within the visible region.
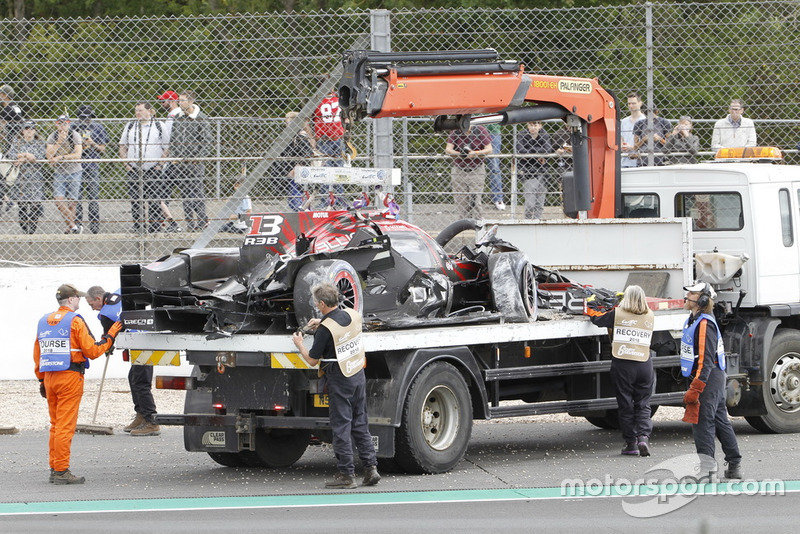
(393, 272)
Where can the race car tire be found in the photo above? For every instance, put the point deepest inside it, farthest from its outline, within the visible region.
(280, 447)
(339, 273)
(513, 285)
(436, 422)
(453, 229)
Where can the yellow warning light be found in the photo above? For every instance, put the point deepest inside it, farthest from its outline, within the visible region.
(750, 153)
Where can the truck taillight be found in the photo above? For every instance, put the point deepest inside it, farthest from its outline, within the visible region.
(126, 356)
(175, 382)
(219, 408)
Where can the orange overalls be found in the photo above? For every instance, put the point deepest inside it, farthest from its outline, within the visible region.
(65, 388)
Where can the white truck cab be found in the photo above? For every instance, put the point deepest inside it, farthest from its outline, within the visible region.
(745, 224)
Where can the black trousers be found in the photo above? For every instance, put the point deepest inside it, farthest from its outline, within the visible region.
(140, 378)
(634, 383)
(348, 416)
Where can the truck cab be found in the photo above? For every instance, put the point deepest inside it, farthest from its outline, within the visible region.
(745, 223)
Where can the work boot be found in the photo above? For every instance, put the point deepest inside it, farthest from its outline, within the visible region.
(734, 471)
(136, 423)
(341, 481)
(644, 446)
(631, 449)
(147, 429)
(65, 477)
(371, 476)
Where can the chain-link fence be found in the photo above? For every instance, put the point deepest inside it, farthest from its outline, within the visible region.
(248, 71)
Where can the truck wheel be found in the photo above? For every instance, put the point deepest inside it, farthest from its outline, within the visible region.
(610, 421)
(278, 447)
(338, 272)
(437, 421)
(513, 286)
(229, 459)
(781, 388)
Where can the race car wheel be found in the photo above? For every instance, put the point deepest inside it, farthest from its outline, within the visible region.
(339, 273)
(280, 447)
(437, 421)
(513, 286)
(781, 388)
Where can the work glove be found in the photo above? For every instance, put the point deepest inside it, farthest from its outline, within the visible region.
(42, 390)
(692, 413)
(692, 396)
(113, 331)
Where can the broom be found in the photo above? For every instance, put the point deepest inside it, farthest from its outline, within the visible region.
(93, 428)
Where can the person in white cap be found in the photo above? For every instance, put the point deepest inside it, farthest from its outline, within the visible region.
(703, 359)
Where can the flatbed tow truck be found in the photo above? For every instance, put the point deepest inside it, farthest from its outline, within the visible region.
(251, 400)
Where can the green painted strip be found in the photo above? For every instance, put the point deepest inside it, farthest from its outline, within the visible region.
(416, 497)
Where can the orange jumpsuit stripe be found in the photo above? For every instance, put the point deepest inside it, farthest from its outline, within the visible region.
(701, 346)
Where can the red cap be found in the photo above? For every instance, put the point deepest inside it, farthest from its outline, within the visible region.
(169, 95)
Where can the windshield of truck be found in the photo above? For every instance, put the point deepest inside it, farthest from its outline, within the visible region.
(640, 206)
(711, 211)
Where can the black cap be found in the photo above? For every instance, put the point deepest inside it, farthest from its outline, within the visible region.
(84, 111)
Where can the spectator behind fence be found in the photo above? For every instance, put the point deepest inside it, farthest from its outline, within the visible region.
(169, 101)
(95, 139)
(734, 130)
(283, 170)
(144, 139)
(642, 135)
(682, 140)
(240, 219)
(629, 156)
(28, 189)
(495, 176)
(468, 174)
(64, 147)
(190, 140)
(11, 117)
(533, 171)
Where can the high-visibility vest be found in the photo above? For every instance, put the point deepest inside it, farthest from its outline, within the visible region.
(688, 356)
(55, 347)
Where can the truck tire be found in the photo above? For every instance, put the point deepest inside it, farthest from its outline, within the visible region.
(230, 459)
(339, 273)
(279, 447)
(781, 388)
(437, 421)
(610, 421)
(513, 286)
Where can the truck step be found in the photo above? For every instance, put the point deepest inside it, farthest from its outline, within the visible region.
(608, 403)
(564, 369)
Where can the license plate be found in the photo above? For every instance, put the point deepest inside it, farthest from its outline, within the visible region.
(321, 400)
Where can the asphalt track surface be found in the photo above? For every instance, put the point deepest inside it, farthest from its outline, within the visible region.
(514, 478)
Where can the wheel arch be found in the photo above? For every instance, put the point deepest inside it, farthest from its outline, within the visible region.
(405, 367)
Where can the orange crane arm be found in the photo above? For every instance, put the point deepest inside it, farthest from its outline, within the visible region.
(453, 86)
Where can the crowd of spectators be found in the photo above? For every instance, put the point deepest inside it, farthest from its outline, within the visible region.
(164, 158)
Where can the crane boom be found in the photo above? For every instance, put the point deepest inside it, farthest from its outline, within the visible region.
(453, 86)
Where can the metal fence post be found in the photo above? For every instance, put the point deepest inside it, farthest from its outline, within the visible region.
(380, 28)
(648, 9)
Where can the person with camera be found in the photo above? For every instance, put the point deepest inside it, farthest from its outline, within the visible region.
(339, 349)
(703, 360)
(682, 142)
(468, 174)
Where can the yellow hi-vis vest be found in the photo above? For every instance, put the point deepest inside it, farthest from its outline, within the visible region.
(631, 335)
(348, 343)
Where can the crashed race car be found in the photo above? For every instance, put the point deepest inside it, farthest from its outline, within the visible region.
(394, 273)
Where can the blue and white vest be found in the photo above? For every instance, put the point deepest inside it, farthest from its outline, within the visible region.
(688, 357)
(112, 310)
(55, 348)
